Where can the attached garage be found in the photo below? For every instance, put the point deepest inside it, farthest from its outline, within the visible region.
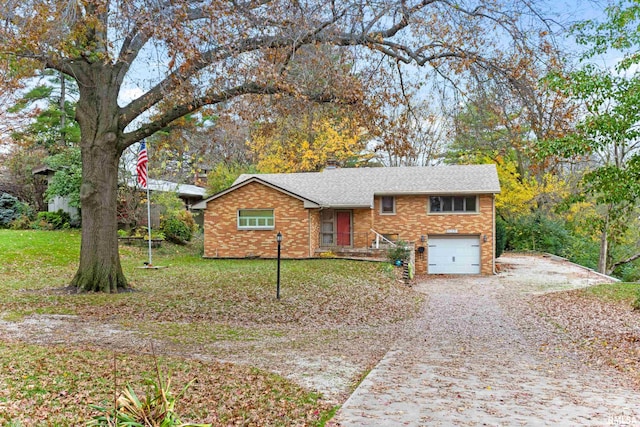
(454, 255)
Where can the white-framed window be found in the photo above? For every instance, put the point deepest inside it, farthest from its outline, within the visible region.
(256, 219)
(327, 227)
(453, 204)
(387, 205)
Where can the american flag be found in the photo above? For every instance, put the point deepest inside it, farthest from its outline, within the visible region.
(141, 166)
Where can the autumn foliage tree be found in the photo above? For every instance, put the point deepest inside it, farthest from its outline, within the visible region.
(607, 138)
(608, 134)
(305, 143)
(294, 134)
(504, 125)
(142, 64)
(410, 133)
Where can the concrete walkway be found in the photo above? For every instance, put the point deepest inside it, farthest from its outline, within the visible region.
(474, 358)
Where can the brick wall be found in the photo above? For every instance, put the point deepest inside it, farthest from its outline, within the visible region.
(223, 239)
(314, 241)
(412, 220)
(362, 225)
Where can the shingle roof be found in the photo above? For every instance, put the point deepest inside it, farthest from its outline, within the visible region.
(181, 189)
(357, 187)
(187, 190)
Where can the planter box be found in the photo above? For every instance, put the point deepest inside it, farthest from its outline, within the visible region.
(140, 241)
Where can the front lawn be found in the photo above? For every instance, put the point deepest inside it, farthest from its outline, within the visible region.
(334, 320)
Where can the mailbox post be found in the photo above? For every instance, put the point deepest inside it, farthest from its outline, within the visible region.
(279, 240)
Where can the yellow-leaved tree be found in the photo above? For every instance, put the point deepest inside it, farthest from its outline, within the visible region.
(305, 143)
(521, 195)
(517, 194)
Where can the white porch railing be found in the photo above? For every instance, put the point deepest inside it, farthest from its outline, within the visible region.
(380, 237)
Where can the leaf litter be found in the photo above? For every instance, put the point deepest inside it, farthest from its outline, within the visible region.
(504, 350)
(330, 328)
(335, 321)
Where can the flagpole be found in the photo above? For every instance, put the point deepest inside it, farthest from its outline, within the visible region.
(149, 222)
(143, 179)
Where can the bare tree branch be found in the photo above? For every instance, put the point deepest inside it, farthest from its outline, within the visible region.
(625, 261)
(175, 79)
(211, 98)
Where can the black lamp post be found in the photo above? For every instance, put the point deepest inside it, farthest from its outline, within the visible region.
(279, 240)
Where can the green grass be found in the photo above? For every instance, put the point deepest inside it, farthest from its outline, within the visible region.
(34, 247)
(32, 258)
(219, 308)
(616, 292)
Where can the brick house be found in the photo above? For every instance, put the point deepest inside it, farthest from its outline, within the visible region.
(447, 213)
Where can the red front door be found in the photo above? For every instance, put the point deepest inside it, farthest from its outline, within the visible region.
(343, 228)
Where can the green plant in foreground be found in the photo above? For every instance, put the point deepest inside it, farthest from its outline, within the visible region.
(179, 227)
(154, 409)
(398, 252)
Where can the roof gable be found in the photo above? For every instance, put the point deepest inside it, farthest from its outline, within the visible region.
(308, 203)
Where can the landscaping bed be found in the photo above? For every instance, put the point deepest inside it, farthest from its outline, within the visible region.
(140, 241)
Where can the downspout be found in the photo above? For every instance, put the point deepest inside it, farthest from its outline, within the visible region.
(309, 232)
(493, 249)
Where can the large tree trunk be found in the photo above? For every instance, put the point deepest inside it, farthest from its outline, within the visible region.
(100, 269)
(97, 114)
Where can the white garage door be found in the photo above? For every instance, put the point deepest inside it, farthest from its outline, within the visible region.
(454, 255)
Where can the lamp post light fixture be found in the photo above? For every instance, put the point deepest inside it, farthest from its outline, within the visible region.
(279, 240)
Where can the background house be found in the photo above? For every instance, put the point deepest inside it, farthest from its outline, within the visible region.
(190, 194)
(446, 212)
(57, 202)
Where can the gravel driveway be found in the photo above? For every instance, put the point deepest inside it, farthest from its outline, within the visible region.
(478, 356)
